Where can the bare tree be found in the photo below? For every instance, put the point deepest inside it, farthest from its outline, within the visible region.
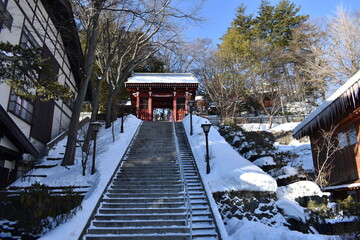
(325, 147)
(182, 56)
(144, 25)
(224, 82)
(88, 13)
(143, 35)
(343, 49)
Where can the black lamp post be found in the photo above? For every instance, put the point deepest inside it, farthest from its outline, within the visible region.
(191, 105)
(95, 127)
(206, 129)
(122, 103)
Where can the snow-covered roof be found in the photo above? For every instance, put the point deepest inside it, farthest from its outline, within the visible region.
(162, 78)
(331, 109)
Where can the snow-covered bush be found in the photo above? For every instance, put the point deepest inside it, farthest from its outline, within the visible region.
(37, 209)
(251, 145)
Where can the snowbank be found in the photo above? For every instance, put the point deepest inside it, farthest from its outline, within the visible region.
(291, 209)
(254, 127)
(264, 161)
(229, 170)
(108, 157)
(299, 189)
(244, 229)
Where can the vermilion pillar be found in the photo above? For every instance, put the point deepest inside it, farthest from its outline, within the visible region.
(137, 104)
(187, 102)
(150, 107)
(174, 107)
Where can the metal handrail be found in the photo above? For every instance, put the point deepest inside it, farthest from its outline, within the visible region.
(184, 182)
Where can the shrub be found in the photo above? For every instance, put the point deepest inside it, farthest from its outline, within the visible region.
(37, 209)
(349, 207)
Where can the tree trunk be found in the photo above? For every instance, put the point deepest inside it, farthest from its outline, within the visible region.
(95, 106)
(109, 108)
(69, 156)
(271, 118)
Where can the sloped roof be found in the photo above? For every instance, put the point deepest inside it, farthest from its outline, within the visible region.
(162, 78)
(61, 14)
(333, 109)
(15, 135)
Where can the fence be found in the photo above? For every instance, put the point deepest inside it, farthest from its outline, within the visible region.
(216, 119)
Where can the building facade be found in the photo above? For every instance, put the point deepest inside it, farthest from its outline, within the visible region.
(50, 26)
(337, 119)
(159, 95)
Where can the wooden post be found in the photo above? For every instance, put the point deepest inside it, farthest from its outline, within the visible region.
(150, 107)
(138, 104)
(186, 102)
(174, 107)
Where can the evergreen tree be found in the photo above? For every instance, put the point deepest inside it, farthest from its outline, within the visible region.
(272, 48)
(21, 67)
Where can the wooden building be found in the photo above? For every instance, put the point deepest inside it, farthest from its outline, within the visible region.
(151, 93)
(26, 125)
(340, 114)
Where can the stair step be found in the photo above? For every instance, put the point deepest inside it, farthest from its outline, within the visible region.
(183, 236)
(145, 199)
(140, 230)
(143, 191)
(143, 205)
(138, 216)
(141, 210)
(139, 223)
(160, 185)
(159, 195)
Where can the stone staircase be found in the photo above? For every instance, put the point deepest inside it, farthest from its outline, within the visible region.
(146, 198)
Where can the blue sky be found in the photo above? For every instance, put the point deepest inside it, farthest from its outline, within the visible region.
(220, 13)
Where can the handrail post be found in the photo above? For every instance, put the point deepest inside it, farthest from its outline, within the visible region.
(185, 187)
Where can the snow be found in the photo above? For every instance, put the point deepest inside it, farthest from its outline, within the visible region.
(108, 157)
(299, 189)
(255, 127)
(162, 78)
(303, 150)
(249, 230)
(264, 161)
(291, 209)
(229, 171)
(351, 185)
(353, 80)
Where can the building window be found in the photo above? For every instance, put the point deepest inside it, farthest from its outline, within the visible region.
(5, 17)
(348, 136)
(20, 107)
(27, 40)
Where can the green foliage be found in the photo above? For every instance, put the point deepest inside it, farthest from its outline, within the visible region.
(320, 209)
(29, 74)
(349, 207)
(283, 158)
(271, 49)
(37, 209)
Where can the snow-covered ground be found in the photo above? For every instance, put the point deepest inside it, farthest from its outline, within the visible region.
(108, 156)
(229, 171)
(301, 148)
